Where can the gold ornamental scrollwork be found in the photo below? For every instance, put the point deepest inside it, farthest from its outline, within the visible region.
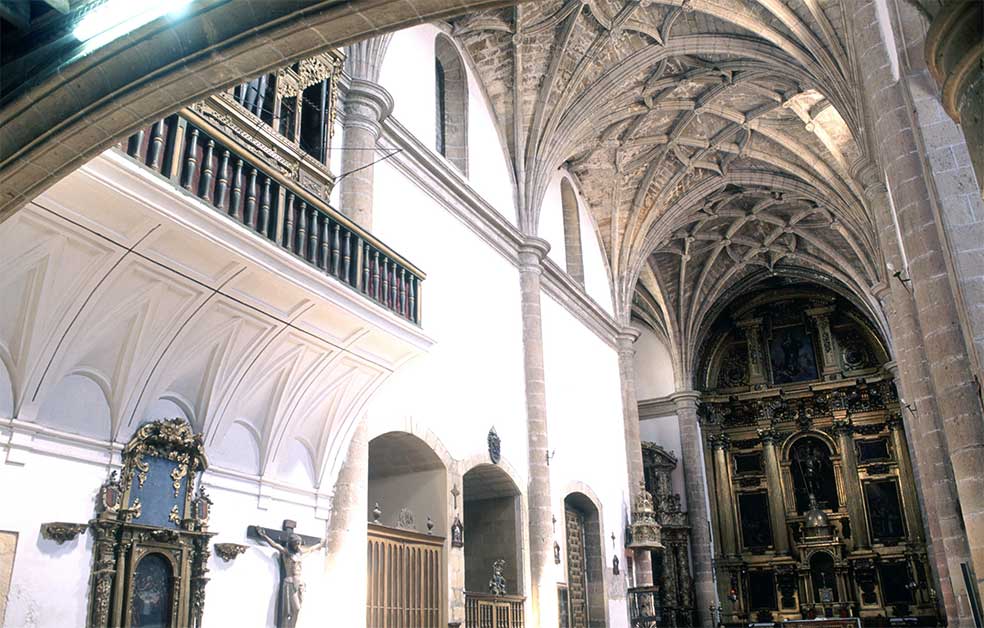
(173, 516)
(177, 474)
(143, 469)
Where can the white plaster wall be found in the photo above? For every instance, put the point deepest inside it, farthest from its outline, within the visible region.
(586, 433)
(472, 378)
(665, 432)
(408, 74)
(653, 366)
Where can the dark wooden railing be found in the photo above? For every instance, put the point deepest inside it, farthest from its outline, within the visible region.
(644, 607)
(483, 610)
(224, 174)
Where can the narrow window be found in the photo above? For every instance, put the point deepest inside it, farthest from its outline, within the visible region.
(572, 232)
(451, 91)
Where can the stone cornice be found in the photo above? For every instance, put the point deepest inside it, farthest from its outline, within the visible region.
(657, 408)
(443, 183)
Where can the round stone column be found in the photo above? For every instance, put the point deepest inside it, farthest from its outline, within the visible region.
(543, 579)
(777, 505)
(365, 105)
(625, 341)
(696, 484)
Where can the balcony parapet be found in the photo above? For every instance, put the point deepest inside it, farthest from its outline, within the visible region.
(254, 177)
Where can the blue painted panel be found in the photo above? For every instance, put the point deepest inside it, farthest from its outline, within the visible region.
(157, 496)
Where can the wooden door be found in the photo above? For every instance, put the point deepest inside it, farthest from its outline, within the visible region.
(577, 580)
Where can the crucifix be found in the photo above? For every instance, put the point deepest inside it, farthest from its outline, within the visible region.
(292, 548)
(454, 493)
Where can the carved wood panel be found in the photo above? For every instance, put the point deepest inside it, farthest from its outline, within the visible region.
(576, 569)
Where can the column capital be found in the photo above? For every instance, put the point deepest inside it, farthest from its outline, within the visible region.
(685, 399)
(625, 339)
(719, 441)
(893, 368)
(843, 427)
(532, 252)
(367, 105)
(768, 435)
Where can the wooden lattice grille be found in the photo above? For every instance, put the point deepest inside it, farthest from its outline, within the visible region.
(406, 579)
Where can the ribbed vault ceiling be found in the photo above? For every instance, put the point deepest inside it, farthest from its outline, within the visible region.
(711, 139)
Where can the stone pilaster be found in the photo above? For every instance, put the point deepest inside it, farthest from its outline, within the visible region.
(777, 505)
(860, 537)
(633, 442)
(725, 495)
(828, 345)
(365, 105)
(752, 330)
(946, 542)
(544, 585)
(345, 562)
(933, 293)
(700, 525)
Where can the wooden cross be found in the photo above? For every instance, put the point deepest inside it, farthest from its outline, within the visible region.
(281, 536)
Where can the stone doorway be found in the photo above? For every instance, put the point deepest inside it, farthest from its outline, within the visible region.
(585, 562)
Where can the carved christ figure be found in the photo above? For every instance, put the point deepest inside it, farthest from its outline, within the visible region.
(292, 585)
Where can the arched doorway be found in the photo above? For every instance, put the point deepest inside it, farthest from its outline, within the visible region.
(493, 549)
(407, 526)
(585, 562)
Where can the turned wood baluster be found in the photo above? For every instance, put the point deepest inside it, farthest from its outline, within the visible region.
(413, 300)
(191, 159)
(205, 183)
(403, 291)
(250, 218)
(347, 258)
(222, 187)
(365, 268)
(264, 226)
(336, 250)
(301, 229)
(392, 299)
(156, 145)
(325, 252)
(375, 275)
(313, 237)
(133, 146)
(288, 240)
(386, 281)
(237, 190)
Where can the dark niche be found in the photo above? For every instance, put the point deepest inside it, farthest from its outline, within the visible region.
(753, 510)
(748, 463)
(873, 451)
(824, 580)
(762, 590)
(813, 473)
(884, 510)
(153, 581)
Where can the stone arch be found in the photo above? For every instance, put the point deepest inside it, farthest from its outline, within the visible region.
(406, 474)
(582, 508)
(572, 231)
(451, 87)
(492, 507)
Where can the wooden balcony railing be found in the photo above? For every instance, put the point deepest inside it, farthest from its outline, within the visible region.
(255, 191)
(483, 610)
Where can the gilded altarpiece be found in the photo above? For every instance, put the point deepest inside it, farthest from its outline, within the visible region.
(813, 500)
(151, 539)
(671, 567)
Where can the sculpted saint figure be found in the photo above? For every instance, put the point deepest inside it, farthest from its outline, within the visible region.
(292, 585)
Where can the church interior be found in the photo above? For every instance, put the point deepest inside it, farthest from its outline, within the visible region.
(491, 313)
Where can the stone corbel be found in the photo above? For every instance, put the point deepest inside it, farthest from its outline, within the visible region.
(61, 532)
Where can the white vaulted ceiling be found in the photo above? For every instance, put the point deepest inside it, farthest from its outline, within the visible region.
(123, 299)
